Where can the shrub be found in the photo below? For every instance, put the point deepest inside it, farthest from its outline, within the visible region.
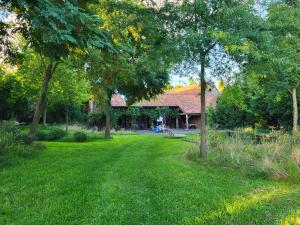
(55, 134)
(26, 140)
(41, 135)
(80, 137)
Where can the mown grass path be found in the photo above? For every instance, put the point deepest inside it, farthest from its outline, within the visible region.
(134, 180)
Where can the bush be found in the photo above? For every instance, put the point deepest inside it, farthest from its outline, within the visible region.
(80, 137)
(41, 135)
(55, 134)
(26, 140)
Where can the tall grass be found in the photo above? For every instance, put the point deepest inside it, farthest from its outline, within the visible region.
(14, 143)
(9, 134)
(276, 155)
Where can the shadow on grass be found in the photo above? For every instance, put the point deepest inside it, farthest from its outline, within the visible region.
(256, 207)
(15, 158)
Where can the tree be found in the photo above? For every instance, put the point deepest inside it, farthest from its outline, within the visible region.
(69, 88)
(54, 29)
(139, 35)
(252, 101)
(232, 109)
(19, 86)
(275, 62)
(282, 53)
(208, 29)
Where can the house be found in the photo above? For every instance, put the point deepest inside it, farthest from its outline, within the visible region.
(186, 100)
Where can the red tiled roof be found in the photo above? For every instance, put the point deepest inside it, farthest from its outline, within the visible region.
(118, 101)
(187, 99)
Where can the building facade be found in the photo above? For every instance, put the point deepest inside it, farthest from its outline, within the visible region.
(185, 100)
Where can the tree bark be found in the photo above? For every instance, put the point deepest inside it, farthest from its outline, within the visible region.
(295, 110)
(45, 116)
(42, 100)
(203, 148)
(108, 117)
(67, 119)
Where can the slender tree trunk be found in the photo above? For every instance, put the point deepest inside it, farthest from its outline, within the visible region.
(295, 110)
(67, 119)
(45, 115)
(203, 148)
(108, 118)
(42, 100)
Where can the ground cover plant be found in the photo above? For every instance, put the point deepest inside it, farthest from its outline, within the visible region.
(137, 179)
(56, 132)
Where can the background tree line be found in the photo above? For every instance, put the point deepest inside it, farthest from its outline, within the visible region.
(62, 52)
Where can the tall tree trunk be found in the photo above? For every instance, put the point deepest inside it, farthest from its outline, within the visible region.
(295, 110)
(108, 118)
(45, 115)
(42, 100)
(203, 148)
(67, 119)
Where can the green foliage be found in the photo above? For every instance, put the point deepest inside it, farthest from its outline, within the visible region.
(217, 33)
(139, 34)
(26, 140)
(56, 113)
(274, 64)
(53, 28)
(151, 113)
(14, 103)
(13, 142)
(9, 136)
(231, 116)
(55, 134)
(116, 114)
(211, 117)
(50, 133)
(167, 111)
(248, 102)
(69, 91)
(96, 119)
(80, 136)
(41, 135)
(133, 112)
(231, 110)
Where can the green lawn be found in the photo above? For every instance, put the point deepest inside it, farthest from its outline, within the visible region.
(137, 179)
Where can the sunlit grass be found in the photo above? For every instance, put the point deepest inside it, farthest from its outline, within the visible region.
(292, 219)
(134, 180)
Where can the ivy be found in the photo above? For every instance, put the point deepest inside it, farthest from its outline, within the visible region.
(116, 114)
(134, 112)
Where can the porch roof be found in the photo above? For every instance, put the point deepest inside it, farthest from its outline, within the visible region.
(187, 99)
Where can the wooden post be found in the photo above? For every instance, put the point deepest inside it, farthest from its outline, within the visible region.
(177, 123)
(186, 121)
